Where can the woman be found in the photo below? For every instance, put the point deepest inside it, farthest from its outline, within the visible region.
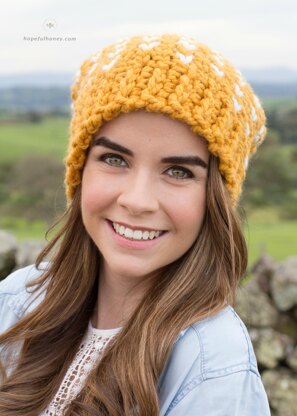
(133, 314)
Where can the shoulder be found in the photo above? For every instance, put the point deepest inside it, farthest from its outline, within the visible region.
(220, 344)
(210, 349)
(16, 281)
(15, 297)
(224, 344)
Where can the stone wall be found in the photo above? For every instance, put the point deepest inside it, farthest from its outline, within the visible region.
(13, 255)
(267, 304)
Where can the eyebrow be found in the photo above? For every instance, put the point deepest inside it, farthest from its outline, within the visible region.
(186, 160)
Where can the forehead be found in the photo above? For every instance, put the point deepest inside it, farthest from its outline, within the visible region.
(142, 129)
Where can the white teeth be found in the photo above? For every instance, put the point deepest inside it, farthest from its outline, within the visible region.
(135, 234)
(151, 235)
(145, 235)
(128, 233)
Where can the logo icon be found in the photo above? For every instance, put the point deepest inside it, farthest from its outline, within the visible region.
(49, 24)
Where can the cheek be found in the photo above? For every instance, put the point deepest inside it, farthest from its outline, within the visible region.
(93, 192)
(188, 212)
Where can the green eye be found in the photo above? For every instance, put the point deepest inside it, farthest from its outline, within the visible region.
(112, 159)
(180, 173)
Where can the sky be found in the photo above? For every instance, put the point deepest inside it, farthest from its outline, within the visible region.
(251, 33)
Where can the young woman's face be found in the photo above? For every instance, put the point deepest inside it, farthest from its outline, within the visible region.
(143, 192)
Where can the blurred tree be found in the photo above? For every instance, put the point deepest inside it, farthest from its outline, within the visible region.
(271, 177)
(34, 189)
(284, 121)
(34, 117)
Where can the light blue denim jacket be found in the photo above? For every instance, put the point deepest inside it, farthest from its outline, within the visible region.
(212, 369)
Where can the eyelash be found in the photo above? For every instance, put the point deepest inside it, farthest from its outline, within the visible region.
(105, 156)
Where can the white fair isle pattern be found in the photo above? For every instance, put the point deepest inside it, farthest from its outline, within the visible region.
(219, 60)
(96, 56)
(185, 59)
(77, 76)
(186, 44)
(119, 47)
(189, 39)
(116, 53)
(237, 106)
(92, 69)
(259, 134)
(217, 70)
(150, 38)
(114, 56)
(247, 129)
(241, 80)
(94, 63)
(148, 46)
(218, 67)
(238, 91)
(87, 356)
(107, 67)
(254, 114)
(257, 101)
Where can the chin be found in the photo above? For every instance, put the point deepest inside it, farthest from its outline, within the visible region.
(129, 270)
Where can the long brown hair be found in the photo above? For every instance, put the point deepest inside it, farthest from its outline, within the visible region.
(125, 381)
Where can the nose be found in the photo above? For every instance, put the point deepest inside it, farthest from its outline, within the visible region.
(138, 195)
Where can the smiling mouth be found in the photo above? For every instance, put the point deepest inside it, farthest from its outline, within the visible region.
(135, 235)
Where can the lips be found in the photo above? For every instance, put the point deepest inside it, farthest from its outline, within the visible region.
(136, 234)
(135, 243)
(136, 227)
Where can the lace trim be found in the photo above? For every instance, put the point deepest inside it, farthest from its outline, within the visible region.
(88, 354)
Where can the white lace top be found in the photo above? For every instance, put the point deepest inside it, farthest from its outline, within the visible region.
(88, 354)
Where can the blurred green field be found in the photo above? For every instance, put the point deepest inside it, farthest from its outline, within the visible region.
(280, 104)
(23, 229)
(48, 137)
(265, 232)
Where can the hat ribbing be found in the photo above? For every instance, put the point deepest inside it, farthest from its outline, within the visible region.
(173, 75)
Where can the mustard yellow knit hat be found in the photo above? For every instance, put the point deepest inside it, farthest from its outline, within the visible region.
(175, 75)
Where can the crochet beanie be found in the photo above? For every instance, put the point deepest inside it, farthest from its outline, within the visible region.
(174, 75)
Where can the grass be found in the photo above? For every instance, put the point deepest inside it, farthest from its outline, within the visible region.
(267, 234)
(49, 137)
(282, 103)
(23, 229)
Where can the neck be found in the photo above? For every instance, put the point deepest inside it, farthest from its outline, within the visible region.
(117, 298)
